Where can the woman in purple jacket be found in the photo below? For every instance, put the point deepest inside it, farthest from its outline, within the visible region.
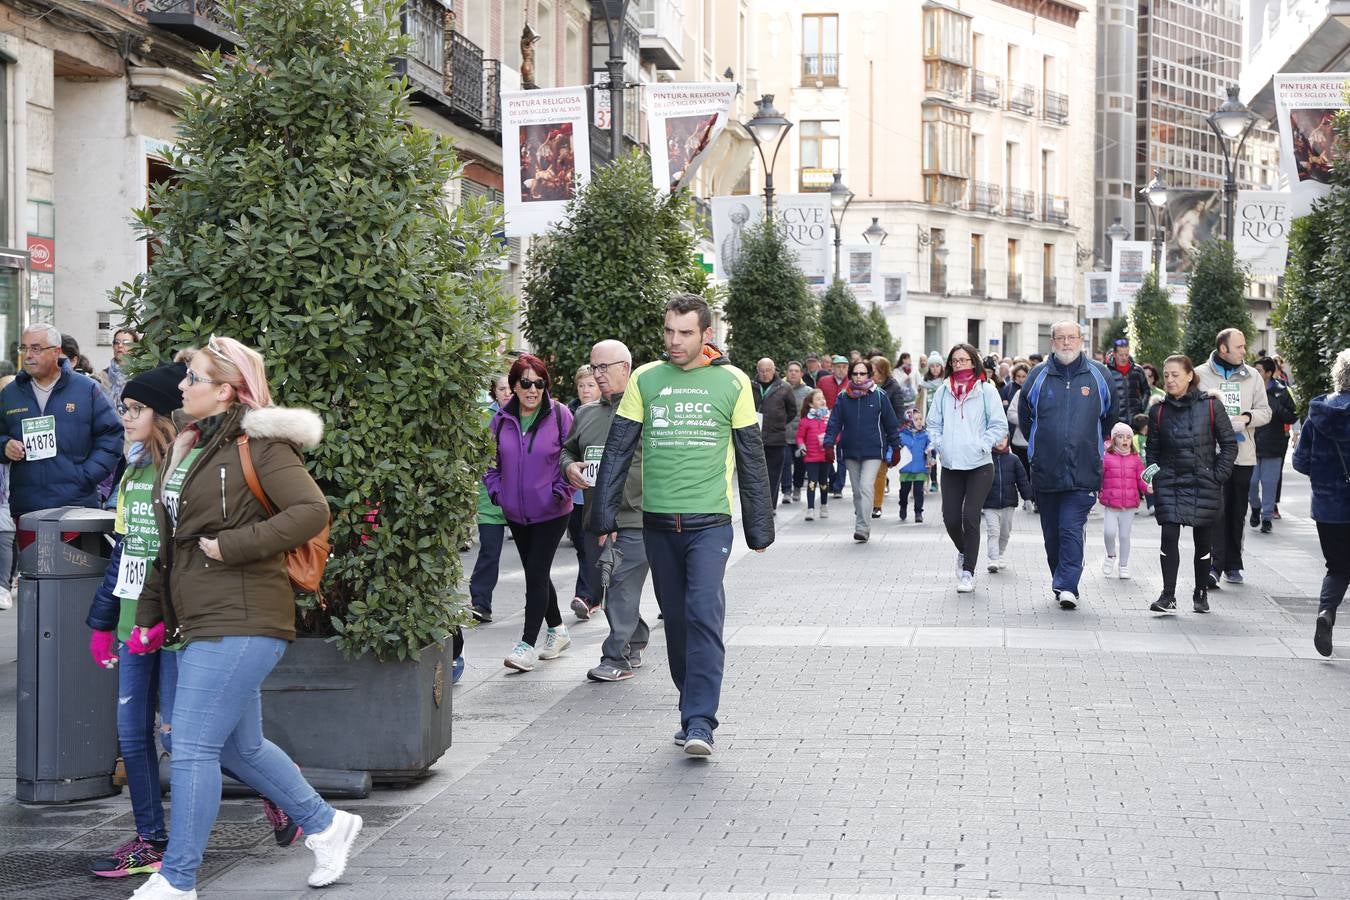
(526, 481)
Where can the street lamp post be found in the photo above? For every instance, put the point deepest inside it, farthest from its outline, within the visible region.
(1116, 233)
(1232, 121)
(615, 13)
(875, 232)
(767, 128)
(1156, 194)
(840, 198)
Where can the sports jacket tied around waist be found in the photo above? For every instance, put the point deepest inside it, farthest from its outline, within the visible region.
(700, 436)
(1191, 441)
(89, 440)
(1066, 413)
(247, 591)
(525, 478)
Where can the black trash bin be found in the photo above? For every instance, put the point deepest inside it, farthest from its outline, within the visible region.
(67, 707)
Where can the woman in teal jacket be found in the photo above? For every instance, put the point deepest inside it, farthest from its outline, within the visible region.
(965, 421)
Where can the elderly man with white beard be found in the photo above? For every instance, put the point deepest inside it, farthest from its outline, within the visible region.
(1066, 411)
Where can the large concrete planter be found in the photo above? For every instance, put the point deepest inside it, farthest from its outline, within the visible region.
(391, 719)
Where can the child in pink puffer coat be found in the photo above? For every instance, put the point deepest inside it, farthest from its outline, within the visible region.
(1122, 483)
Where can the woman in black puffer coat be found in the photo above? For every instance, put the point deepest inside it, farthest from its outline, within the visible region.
(1190, 439)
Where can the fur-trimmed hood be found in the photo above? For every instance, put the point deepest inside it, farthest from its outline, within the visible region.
(302, 427)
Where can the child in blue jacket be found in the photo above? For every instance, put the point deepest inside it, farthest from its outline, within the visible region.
(914, 473)
(1010, 479)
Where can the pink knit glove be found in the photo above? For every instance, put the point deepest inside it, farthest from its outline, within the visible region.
(146, 640)
(102, 649)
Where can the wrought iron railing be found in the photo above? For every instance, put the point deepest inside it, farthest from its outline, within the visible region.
(466, 77)
(1014, 286)
(1055, 210)
(984, 197)
(985, 88)
(1021, 98)
(1055, 107)
(1022, 204)
(492, 96)
(978, 282)
(1049, 289)
(202, 9)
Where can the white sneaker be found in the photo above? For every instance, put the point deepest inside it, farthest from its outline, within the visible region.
(522, 658)
(157, 887)
(331, 848)
(994, 566)
(1067, 600)
(555, 642)
(1124, 573)
(1108, 565)
(810, 515)
(6, 598)
(965, 584)
(824, 512)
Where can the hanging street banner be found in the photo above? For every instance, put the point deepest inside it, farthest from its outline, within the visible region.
(1305, 107)
(1261, 237)
(895, 291)
(860, 266)
(546, 154)
(803, 218)
(1097, 289)
(1130, 262)
(683, 121)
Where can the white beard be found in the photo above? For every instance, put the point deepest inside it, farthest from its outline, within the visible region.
(1066, 357)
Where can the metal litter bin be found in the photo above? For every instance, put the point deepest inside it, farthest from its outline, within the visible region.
(67, 706)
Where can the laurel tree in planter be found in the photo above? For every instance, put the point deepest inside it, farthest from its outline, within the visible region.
(310, 218)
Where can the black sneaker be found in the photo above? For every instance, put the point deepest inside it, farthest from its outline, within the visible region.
(1164, 604)
(1255, 518)
(1213, 580)
(1200, 600)
(1322, 636)
(903, 515)
(860, 536)
(284, 828)
(679, 738)
(918, 518)
(1266, 526)
(876, 512)
(480, 615)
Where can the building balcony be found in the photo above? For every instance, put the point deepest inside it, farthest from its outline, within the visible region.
(443, 67)
(1021, 98)
(1049, 289)
(492, 97)
(986, 89)
(1055, 107)
(1014, 287)
(820, 69)
(1055, 210)
(979, 283)
(984, 197)
(662, 33)
(1022, 204)
(201, 21)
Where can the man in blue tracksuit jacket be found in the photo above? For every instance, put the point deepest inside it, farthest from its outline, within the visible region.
(87, 438)
(1066, 411)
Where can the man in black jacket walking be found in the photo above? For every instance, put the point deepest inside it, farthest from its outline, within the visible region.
(1272, 442)
(776, 405)
(1130, 382)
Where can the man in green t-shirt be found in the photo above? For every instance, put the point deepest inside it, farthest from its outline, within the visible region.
(695, 416)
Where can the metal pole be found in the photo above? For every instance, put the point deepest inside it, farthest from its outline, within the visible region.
(838, 242)
(615, 64)
(1229, 198)
(768, 193)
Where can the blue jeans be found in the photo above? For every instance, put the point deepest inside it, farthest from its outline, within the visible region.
(217, 722)
(1063, 520)
(687, 571)
(1265, 478)
(484, 579)
(144, 681)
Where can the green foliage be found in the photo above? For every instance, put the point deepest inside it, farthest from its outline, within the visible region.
(769, 309)
(1313, 316)
(309, 220)
(880, 330)
(1217, 299)
(1155, 332)
(609, 270)
(1114, 330)
(843, 327)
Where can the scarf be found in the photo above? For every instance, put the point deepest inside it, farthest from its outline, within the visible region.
(961, 383)
(1225, 369)
(822, 412)
(860, 390)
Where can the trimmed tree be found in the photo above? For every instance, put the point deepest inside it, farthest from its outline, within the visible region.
(607, 272)
(1113, 331)
(1154, 329)
(308, 219)
(1216, 299)
(880, 331)
(843, 327)
(769, 308)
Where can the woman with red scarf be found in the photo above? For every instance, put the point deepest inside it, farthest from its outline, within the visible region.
(965, 421)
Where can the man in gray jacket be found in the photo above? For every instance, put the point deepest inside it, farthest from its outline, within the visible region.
(775, 403)
(612, 364)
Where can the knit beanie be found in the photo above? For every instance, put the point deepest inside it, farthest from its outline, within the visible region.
(1120, 428)
(935, 359)
(158, 388)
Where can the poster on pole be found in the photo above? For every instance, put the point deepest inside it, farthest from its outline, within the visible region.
(1097, 289)
(683, 121)
(546, 152)
(1261, 238)
(1131, 261)
(860, 267)
(803, 218)
(1305, 107)
(895, 291)
(1193, 217)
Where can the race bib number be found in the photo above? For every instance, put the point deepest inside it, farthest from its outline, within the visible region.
(1149, 473)
(131, 572)
(1231, 391)
(591, 457)
(39, 437)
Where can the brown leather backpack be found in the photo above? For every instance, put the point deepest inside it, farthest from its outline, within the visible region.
(304, 564)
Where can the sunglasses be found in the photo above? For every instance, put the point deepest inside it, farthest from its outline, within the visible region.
(860, 373)
(527, 384)
(1122, 343)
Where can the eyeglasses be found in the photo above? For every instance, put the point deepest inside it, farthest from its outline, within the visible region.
(861, 373)
(131, 412)
(602, 368)
(527, 384)
(125, 342)
(25, 349)
(193, 378)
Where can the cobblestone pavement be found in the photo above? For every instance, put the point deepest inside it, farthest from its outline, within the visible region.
(883, 736)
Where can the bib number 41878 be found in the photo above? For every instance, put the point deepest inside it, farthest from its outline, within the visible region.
(39, 437)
